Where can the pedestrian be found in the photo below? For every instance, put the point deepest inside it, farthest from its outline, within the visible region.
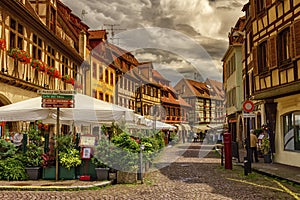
(253, 146)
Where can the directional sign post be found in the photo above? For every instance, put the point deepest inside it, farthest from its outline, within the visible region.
(57, 99)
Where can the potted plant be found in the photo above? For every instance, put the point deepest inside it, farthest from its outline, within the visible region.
(33, 154)
(266, 150)
(69, 160)
(33, 160)
(101, 169)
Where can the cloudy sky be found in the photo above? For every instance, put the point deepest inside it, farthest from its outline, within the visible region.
(182, 38)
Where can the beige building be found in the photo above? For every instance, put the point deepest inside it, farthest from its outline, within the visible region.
(41, 48)
(273, 66)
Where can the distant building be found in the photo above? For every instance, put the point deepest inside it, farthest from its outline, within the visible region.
(207, 101)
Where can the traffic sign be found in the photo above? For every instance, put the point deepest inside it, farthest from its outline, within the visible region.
(248, 106)
(57, 96)
(248, 115)
(58, 105)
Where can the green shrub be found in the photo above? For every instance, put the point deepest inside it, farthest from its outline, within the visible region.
(12, 169)
(70, 158)
(7, 149)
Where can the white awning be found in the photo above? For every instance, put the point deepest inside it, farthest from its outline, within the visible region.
(203, 128)
(186, 127)
(179, 127)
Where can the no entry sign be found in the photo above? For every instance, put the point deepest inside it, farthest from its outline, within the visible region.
(248, 106)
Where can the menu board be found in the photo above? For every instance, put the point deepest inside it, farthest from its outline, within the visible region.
(87, 141)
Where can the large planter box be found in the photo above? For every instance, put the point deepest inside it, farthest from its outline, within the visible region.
(63, 173)
(102, 173)
(66, 174)
(49, 173)
(33, 173)
(126, 177)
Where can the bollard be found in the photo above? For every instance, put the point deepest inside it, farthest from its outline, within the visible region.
(227, 150)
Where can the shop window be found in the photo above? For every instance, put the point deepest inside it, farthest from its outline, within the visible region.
(291, 130)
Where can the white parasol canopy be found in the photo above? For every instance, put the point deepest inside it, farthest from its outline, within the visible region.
(86, 109)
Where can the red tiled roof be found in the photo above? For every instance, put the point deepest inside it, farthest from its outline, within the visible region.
(97, 34)
(171, 99)
(217, 87)
(200, 89)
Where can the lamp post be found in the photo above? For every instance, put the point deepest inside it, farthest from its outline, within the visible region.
(247, 163)
(142, 147)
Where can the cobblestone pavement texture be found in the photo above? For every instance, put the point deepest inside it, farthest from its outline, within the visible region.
(189, 177)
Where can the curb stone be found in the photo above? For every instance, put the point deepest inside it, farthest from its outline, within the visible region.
(54, 188)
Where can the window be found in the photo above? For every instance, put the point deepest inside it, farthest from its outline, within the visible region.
(111, 78)
(107, 98)
(260, 6)
(101, 95)
(284, 46)
(262, 57)
(101, 73)
(94, 70)
(65, 63)
(36, 47)
(50, 56)
(291, 130)
(106, 76)
(16, 34)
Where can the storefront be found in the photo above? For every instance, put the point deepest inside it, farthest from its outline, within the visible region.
(287, 141)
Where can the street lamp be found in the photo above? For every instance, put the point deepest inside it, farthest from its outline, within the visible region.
(247, 163)
(142, 147)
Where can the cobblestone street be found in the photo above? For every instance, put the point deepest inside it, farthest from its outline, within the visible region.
(189, 177)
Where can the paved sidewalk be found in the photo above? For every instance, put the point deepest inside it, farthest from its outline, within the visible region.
(281, 171)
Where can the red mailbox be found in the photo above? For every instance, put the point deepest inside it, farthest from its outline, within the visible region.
(227, 150)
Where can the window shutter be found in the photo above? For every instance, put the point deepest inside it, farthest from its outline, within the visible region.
(272, 52)
(292, 43)
(297, 38)
(255, 64)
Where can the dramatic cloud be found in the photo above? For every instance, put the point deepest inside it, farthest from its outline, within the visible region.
(203, 26)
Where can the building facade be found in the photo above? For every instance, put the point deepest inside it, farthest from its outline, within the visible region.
(40, 48)
(233, 81)
(272, 65)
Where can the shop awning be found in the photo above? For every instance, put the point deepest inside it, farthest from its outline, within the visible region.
(186, 127)
(199, 128)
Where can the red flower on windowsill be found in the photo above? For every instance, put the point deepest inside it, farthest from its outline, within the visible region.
(68, 79)
(20, 55)
(39, 65)
(2, 44)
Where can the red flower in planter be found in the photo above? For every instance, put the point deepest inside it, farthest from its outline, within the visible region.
(2, 44)
(20, 55)
(68, 79)
(39, 65)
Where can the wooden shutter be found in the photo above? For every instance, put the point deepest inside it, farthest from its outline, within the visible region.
(255, 63)
(292, 43)
(272, 54)
(268, 2)
(297, 37)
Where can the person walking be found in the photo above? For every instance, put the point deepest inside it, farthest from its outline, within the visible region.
(253, 146)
